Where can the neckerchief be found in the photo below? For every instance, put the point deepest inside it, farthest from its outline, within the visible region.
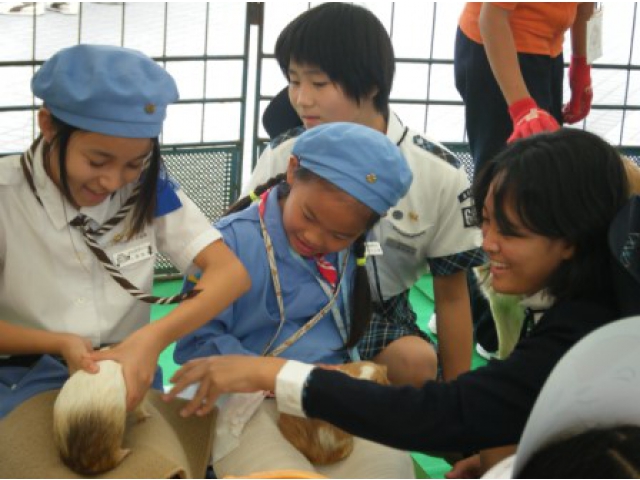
(81, 222)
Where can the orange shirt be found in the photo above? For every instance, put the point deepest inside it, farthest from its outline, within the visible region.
(538, 27)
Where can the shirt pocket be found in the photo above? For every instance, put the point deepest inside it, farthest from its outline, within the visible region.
(404, 242)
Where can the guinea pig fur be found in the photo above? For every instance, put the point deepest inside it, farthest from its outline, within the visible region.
(319, 441)
(90, 417)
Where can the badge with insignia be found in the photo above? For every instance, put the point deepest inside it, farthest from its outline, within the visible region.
(469, 217)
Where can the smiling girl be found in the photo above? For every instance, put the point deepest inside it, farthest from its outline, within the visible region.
(83, 213)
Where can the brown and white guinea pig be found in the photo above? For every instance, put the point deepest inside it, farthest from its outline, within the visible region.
(90, 417)
(319, 441)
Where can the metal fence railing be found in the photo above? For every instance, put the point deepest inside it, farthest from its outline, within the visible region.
(221, 54)
(205, 46)
(424, 94)
(209, 175)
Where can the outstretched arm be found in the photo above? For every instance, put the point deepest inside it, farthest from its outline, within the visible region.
(223, 280)
(224, 374)
(484, 408)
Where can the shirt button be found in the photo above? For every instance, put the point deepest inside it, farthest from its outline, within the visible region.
(81, 300)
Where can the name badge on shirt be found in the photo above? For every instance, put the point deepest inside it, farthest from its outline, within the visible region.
(132, 255)
(403, 247)
(594, 36)
(373, 249)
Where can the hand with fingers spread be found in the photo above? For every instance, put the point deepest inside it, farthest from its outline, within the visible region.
(138, 355)
(223, 374)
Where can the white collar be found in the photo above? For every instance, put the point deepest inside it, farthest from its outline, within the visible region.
(538, 303)
(395, 128)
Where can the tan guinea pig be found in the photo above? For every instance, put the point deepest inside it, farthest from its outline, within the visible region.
(90, 417)
(319, 441)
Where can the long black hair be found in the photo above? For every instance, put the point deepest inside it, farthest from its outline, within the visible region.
(361, 305)
(563, 185)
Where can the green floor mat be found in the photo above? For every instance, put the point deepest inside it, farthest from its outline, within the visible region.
(422, 301)
(165, 289)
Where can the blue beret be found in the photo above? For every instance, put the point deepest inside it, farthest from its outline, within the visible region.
(357, 159)
(105, 89)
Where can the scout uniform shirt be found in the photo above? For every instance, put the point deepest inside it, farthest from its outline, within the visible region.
(50, 280)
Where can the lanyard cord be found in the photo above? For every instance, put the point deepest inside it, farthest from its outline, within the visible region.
(278, 291)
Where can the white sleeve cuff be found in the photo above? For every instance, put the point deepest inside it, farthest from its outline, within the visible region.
(290, 384)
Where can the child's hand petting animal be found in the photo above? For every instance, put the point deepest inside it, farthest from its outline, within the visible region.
(76, 352)
(321, 442)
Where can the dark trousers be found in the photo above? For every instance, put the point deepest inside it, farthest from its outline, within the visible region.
(489, 126)
(486, 111)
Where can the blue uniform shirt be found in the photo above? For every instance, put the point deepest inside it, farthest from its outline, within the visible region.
(249, 324)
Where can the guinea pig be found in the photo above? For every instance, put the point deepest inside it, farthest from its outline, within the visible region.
(90, 418)
(319, 441)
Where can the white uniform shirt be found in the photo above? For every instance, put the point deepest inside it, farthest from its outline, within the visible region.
(430, 227)
(49, 279)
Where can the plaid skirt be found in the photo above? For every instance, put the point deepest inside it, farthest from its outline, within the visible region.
(391, 320)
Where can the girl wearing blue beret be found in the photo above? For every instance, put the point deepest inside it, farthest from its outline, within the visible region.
(545, 205)
(83, 213)
(303, 242)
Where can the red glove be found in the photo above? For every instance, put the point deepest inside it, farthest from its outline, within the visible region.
(528, 119)
(581, 92)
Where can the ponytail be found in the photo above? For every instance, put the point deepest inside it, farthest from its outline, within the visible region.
(361, 307)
